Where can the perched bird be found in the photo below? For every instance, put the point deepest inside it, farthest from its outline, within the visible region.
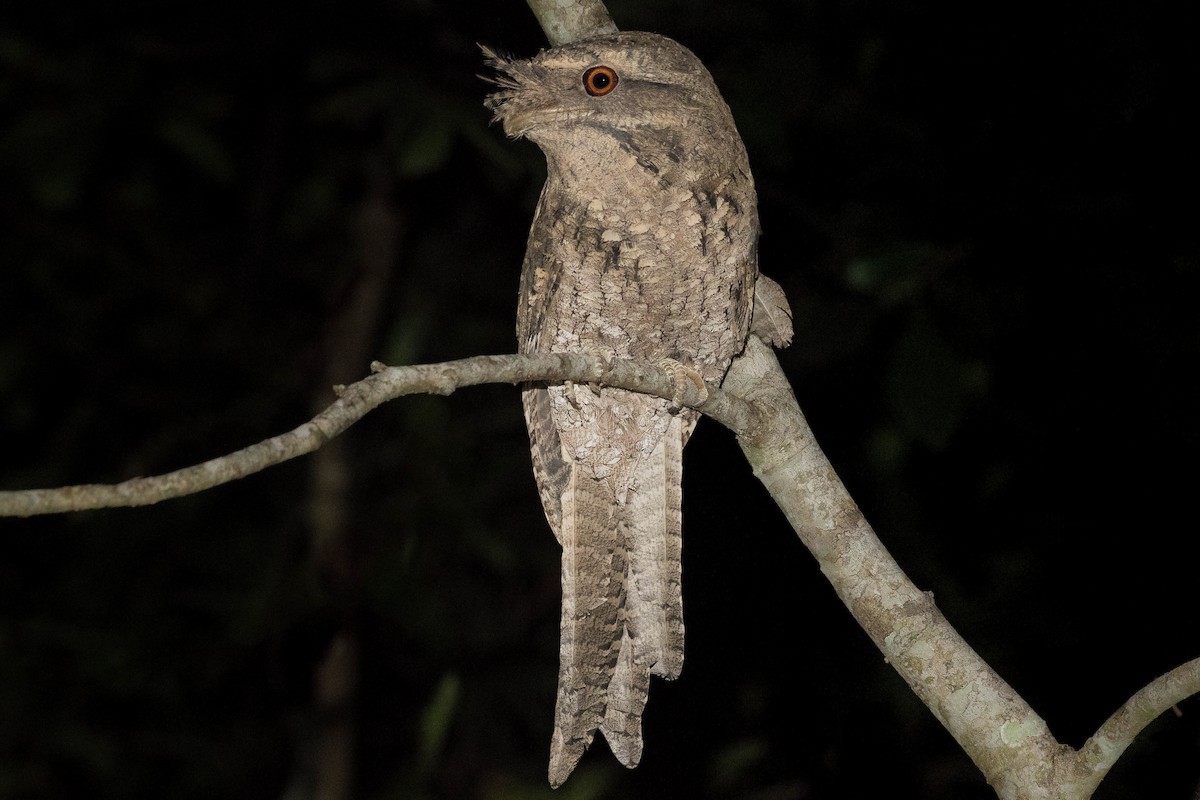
(643, 245)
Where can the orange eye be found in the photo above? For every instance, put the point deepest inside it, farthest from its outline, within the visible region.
(599, 81)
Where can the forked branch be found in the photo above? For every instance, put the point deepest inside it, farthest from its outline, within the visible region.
(1001, 733)
(1004, 736)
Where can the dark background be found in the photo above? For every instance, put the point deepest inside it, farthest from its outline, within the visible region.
(984, 216)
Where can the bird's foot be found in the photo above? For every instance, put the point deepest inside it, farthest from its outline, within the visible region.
(577, 393)
(683, 375)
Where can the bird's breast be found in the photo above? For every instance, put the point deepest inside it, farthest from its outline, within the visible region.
(657, 276)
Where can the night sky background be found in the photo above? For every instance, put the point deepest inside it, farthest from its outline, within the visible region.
(984, 215)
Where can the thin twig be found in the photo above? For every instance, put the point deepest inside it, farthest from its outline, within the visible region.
(358, 399)
(1101, 751)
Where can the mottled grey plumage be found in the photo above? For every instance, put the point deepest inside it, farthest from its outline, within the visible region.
(643, 245)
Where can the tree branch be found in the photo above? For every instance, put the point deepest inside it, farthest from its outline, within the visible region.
(1006, 739)
(358, 399)
(1102, 750)
(567, 20)
(998, 729)
(1001, 733)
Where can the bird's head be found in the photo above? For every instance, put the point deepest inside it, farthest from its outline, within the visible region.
(641, 90)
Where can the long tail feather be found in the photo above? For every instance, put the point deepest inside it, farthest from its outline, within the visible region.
(593, 584)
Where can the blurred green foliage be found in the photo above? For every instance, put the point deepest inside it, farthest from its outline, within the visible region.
(982, 220)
